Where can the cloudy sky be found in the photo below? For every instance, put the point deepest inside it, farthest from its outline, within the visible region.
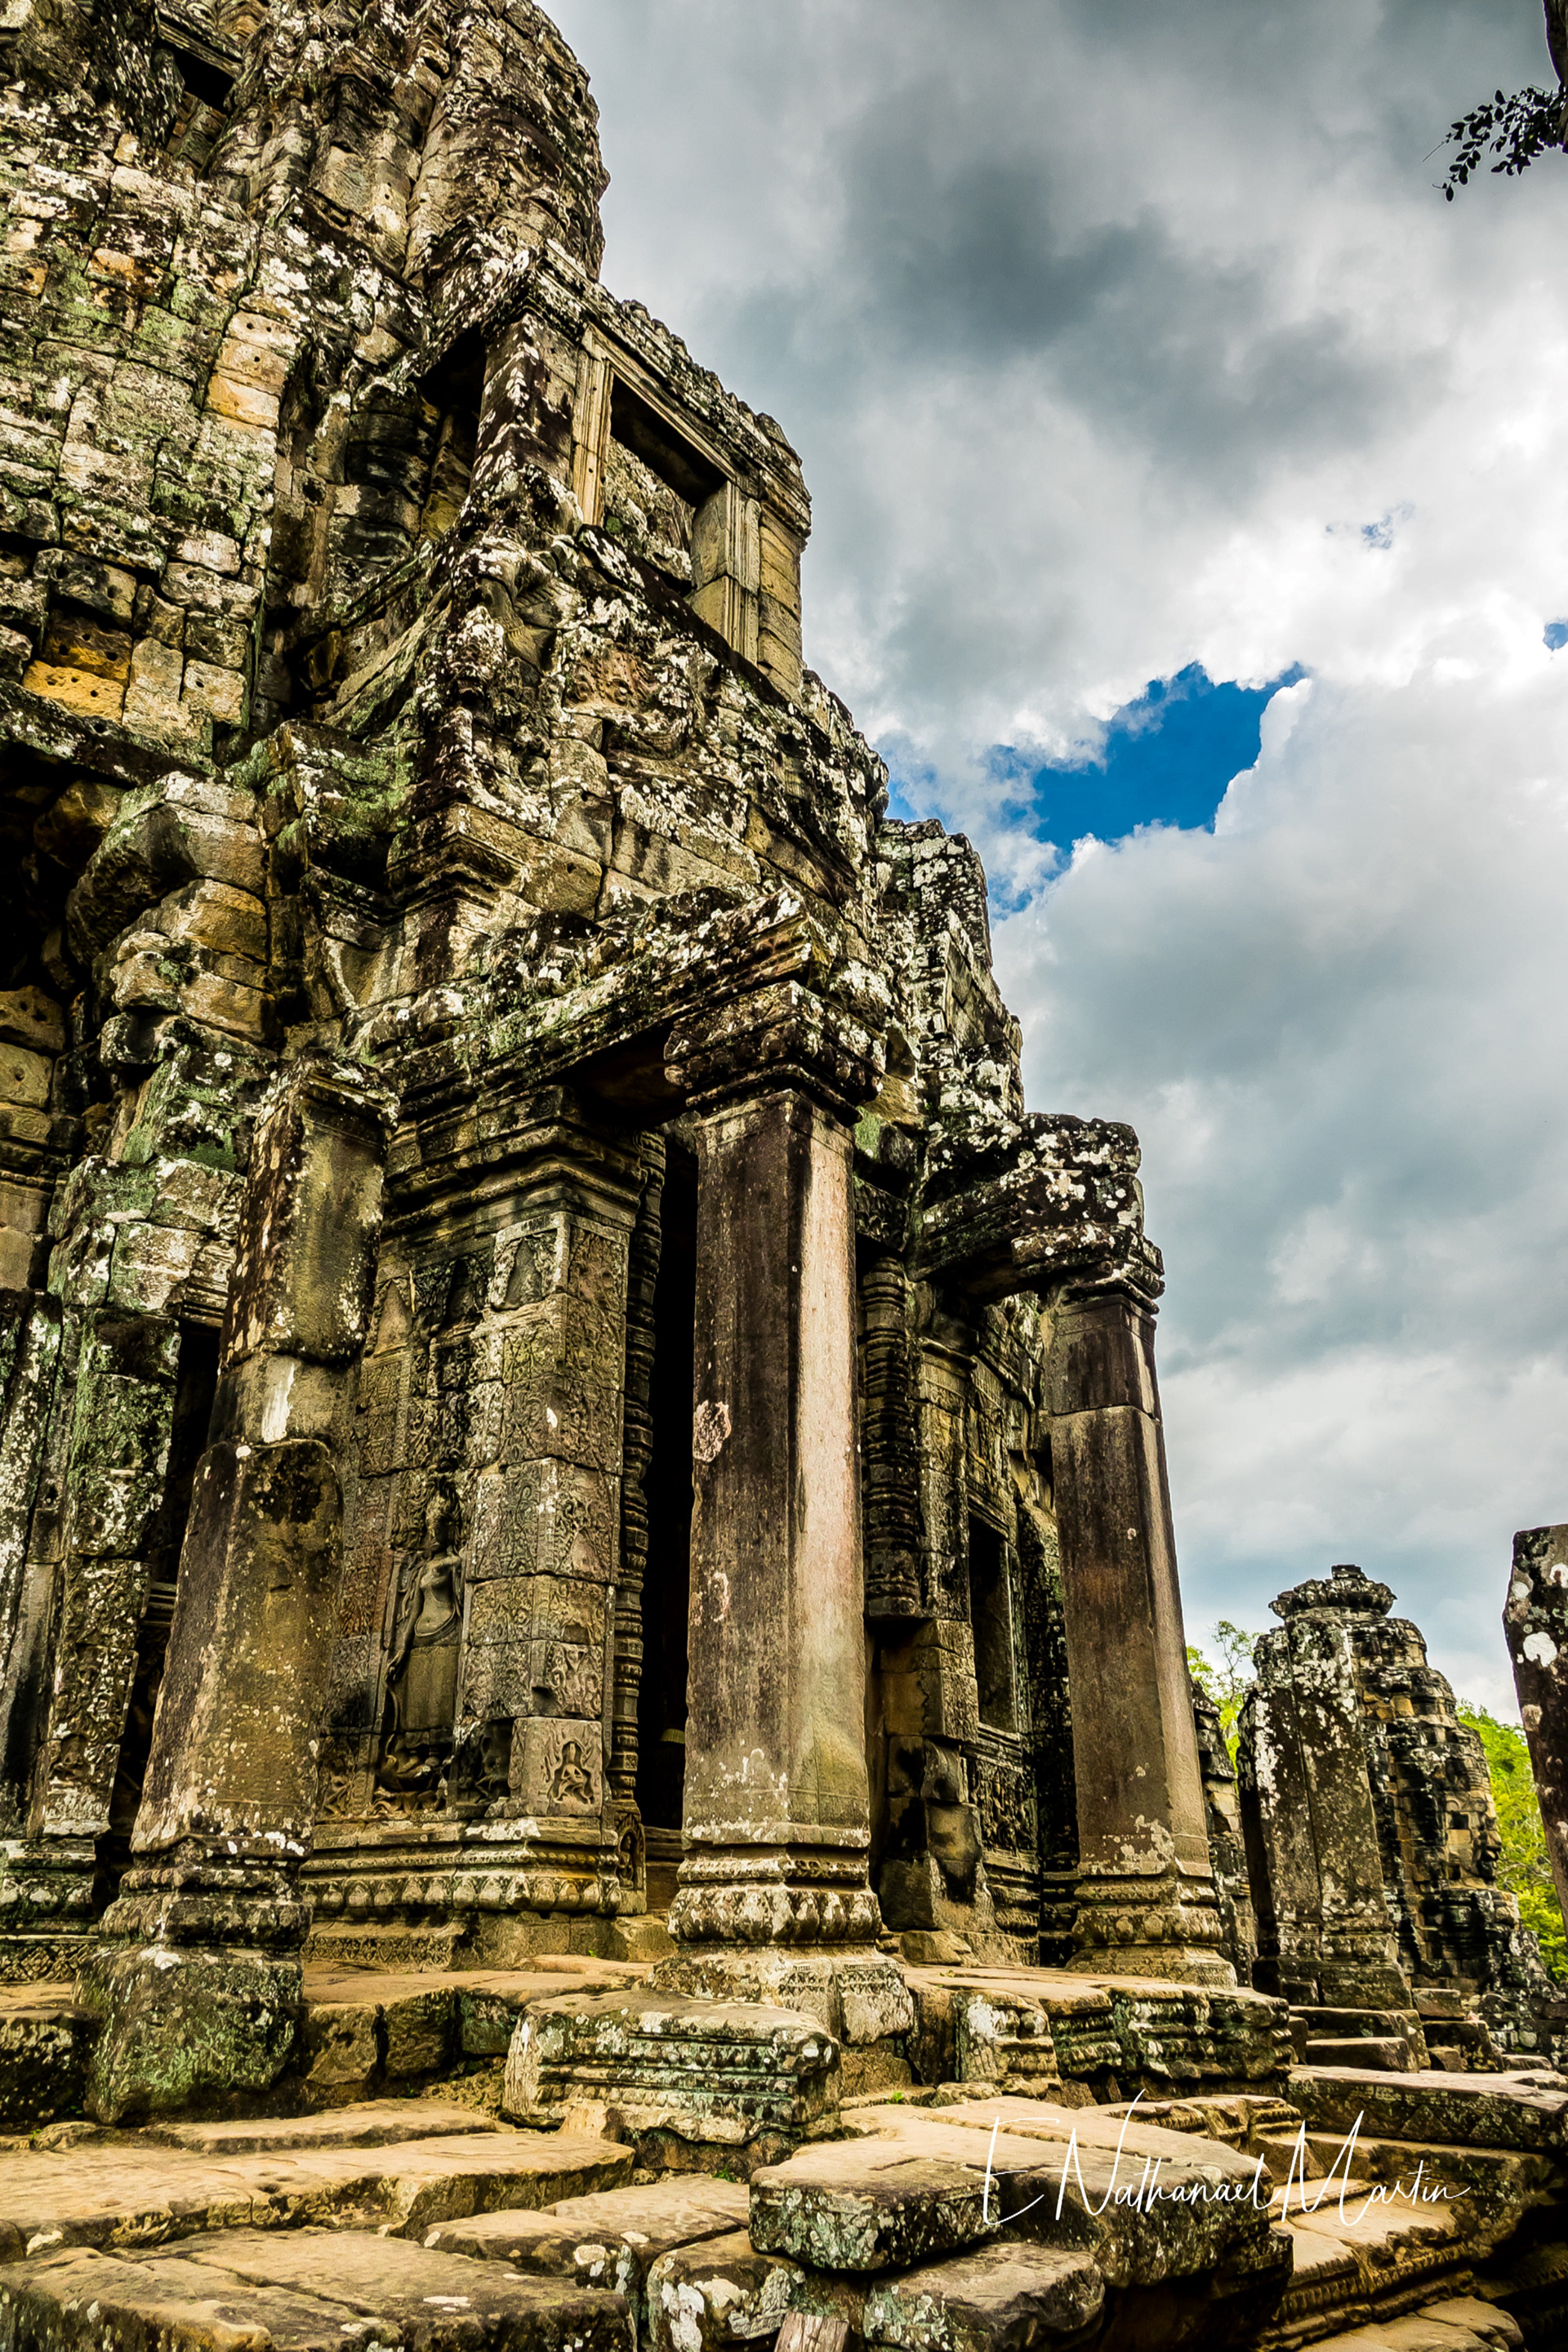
(1191, 515)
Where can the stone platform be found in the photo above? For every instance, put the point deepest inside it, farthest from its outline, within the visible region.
(370, 2033)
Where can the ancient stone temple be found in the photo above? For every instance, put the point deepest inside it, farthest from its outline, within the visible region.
(1371, 1831)
(586, 1574)
(550, 1374)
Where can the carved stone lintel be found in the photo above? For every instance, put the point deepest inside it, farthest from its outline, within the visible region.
(804, 1015)
(1049, 1202)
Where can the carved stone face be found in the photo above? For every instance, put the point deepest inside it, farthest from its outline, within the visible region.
(441, 1525)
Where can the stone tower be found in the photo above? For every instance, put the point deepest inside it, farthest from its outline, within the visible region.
(1372, 1836)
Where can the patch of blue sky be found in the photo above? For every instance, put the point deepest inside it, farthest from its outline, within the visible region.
(1555, 635)
(1165, 758)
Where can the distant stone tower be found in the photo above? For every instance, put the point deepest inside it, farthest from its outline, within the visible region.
(1372, 1836)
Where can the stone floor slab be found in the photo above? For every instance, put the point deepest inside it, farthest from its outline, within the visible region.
(873, 2205)
(1384, 2051)
(611, 2239)
(1025, 2118)
(132, 2194)
(299, 2291)
(415, 2288)
(1397, 2247)
(375, 2123)
(1059, 2178)
(1495, 2327)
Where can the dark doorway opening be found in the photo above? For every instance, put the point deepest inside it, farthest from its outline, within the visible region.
(666, 1586)
(990, 1615)
(195, 1387)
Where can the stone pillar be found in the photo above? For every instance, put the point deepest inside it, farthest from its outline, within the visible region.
(637, 1452)
(1146, 1903)
(777, 1807)
(118, 1452)
(534, 1702)
(1535, 1626)
(198, 1981)
(774, 1900)
(1313, 1819)
(895, 1587)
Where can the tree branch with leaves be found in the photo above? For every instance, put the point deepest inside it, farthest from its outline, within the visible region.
(1515, 130)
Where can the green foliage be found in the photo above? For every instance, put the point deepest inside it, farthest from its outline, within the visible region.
(1517, 129)
(1523, 1868)
(1228, 1682)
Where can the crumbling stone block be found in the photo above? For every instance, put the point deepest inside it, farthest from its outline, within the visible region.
(710, 2297)
(1001, 2295)
(701, 2071)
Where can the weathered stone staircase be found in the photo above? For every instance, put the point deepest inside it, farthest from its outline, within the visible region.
(565, 2158)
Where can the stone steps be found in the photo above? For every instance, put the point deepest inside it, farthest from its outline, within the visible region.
(930, 2224)
(1031, 2029)
(367, 2031)
(296, 2291)
(1388, 2054)
(124, 2190)
(1456, 2324)
(1392, 2040)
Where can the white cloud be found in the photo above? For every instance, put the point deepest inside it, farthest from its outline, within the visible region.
(1115, 339)
(1337, 1024)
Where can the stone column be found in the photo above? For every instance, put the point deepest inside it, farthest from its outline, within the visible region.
(198, 1980)
(1535, 1626)
(895, 1587)
(774, 1900)
(1146, 1902)
(534, 1702)
(637, 1452)
(777, 1807)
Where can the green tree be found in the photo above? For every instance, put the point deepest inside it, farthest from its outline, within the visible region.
(1228, 1679)
(1518, 129)
(1523, 1868)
